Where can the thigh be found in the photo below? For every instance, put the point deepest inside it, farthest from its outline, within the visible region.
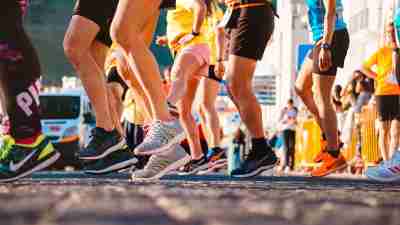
(250, 37)
(304, 80)
(101, 13)
(186, 63)
(241, 71)
(81, 33)
(132, 16)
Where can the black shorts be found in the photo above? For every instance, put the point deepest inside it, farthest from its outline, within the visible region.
(100, 12)
(388, 107)
(114, 77)
(212, 75)
(340, 45)
(250, 30)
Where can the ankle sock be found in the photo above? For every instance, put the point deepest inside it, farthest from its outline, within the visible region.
(260, 146)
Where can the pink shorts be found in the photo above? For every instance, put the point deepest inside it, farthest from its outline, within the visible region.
(202, 54)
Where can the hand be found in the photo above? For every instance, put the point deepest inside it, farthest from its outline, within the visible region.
(325, 59)
(219, 69)
(162, 41)
(185, 39)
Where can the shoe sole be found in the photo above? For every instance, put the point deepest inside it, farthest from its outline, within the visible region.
(198, 169)
(114, 168)
(176, 140)
(110, 150)
(332, 171)
(255, 172)
(174, 166)
(382, 179)
(39, 167)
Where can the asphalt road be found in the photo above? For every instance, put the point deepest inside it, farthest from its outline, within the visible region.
(78, 199)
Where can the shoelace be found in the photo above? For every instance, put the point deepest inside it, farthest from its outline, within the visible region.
(156, 132)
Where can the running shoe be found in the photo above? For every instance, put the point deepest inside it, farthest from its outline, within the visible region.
(160, 165)
(386, 171)
(195, 166)
(18, 161)
(116, 161)
(329, 165)
(161, 136)
(215, 156)
(101, 144)
(255, 164)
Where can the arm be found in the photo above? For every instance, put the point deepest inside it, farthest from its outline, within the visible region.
(200, 13)
(367, 67)
(329, 22)
(220, 40)
(325, 56)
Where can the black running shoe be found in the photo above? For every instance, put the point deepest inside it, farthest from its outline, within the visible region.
(102, 143)
(195, 166)
(113, 162)
(256, 164)
(17, 161)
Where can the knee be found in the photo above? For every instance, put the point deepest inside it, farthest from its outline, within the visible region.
(73, 51)
(123, 37)
(236, 90)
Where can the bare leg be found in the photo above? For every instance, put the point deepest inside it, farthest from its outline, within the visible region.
(384, 127)
(209, 91)
(130, 19)
(303, 88)
(394, 137)
(187, 119)
(323, 90)
(78, 45)
(240, 75)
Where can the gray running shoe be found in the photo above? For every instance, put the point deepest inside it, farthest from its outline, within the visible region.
(161, 137)
(160, 165)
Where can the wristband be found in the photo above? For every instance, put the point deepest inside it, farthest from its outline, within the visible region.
(326, 46)
(194, 33)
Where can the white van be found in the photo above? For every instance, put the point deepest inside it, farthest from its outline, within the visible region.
(66, 118)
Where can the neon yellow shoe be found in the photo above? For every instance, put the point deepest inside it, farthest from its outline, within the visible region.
(17, 161)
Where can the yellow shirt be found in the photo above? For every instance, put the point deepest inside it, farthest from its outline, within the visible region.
(180, 22)
(134, 113)
(386, 83)
(211, 24)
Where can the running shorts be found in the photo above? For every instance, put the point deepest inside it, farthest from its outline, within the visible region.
(388, 107)
(249, 30)
(339, 47)
(102, 13)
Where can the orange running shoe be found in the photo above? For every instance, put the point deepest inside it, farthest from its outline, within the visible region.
(329, 165)
(318, 158)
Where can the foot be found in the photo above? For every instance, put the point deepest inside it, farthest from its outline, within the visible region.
(114, 162)
(195, 166)
(102, 144)
(160, 165)
(215, 156)
(329, 165)
(386, 171)
(256, 164)
(161, 137)
(17, 161)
